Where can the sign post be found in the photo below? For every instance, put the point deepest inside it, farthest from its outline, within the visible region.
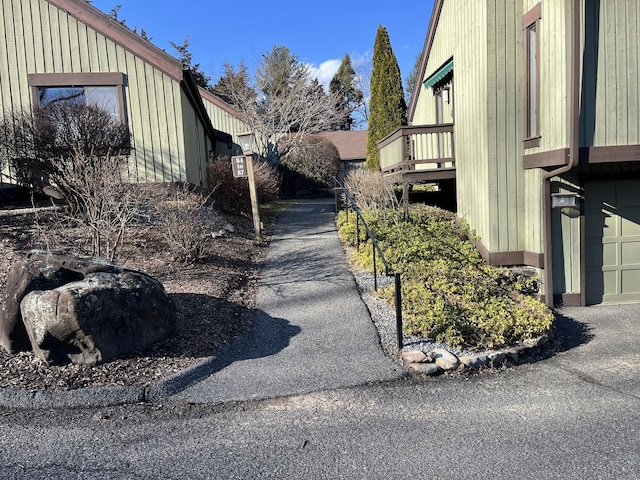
(253, 193)
(244, 164)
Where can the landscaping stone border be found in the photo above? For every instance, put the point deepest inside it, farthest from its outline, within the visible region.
(428, 361)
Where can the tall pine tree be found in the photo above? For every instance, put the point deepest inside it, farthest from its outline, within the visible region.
(343, 86)
(388, 109)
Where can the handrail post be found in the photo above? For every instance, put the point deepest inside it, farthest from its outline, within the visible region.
(375, 268)
(399, 310)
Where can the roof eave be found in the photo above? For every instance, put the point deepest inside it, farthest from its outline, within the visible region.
(121, 35)
(426, 50)
(192, 90)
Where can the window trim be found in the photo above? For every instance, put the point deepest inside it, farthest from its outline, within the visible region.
(111, 79)
(531, 19)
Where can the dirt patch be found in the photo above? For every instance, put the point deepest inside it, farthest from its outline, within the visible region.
(215, 299)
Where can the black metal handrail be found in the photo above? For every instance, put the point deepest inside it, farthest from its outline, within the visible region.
(375, 247)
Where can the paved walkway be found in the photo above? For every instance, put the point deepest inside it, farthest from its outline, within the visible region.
(312, 331)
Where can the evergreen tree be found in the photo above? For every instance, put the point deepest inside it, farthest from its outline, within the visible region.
(283, 104)
(185, 56)
(388, 109)
(278, 70)
(234, 84)
(343, 85)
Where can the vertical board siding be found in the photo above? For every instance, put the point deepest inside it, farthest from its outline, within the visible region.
(462, 34)
(633, 85)
(224, 121)
(612, 62)
(36, 37)
(498, 198)
(566, 246)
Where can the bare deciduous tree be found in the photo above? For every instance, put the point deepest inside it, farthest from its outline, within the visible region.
(363, 67)
(371, 190)
(284, 104)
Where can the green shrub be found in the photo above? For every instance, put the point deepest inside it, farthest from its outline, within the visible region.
(449, 293)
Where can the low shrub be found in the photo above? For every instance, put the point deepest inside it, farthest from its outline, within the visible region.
(449, 292)
(310, 166)
(231, 194)
(370, 189)
(187, 218)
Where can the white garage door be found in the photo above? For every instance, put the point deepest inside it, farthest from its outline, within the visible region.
(612, 216)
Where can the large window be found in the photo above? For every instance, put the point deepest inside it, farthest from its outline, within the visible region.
(99, 89)
(531, 28)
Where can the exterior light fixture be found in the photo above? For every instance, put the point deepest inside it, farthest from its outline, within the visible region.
(247, 142)
(565, 200)
(445, 95)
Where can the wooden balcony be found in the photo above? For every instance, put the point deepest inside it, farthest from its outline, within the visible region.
(419, 154)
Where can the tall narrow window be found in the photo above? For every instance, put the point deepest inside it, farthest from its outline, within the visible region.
(532, 81)
(531, 28)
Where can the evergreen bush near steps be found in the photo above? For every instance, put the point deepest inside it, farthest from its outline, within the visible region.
(449, 292)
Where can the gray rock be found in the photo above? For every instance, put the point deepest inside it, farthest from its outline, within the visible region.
(23, 277)
(445, 359)
(496, 359)
(98, 318)
(537, 341)
(414, 356)
(474, 362)
(514, 353)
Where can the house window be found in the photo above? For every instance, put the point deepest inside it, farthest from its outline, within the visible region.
(100, 89)
(531, 28)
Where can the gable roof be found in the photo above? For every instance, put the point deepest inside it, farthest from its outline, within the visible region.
(351, 144)
(426, 50)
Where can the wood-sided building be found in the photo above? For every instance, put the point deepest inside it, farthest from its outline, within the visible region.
(531, 109)
(47, 46)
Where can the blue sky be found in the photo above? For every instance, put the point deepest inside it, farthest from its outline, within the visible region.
(319, 33)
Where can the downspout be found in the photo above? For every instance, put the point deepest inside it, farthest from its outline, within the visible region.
(574, 152)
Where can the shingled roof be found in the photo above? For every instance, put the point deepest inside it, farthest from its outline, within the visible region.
(351, 145)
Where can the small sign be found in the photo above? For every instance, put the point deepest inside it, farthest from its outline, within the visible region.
(239, 166)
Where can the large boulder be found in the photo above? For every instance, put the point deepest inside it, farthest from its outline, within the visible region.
(83, 310)
(24, 276)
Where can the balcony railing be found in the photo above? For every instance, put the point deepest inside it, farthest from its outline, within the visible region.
(419, 152)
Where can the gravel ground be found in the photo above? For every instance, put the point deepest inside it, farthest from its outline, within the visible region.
(383, 315)
(214, 298)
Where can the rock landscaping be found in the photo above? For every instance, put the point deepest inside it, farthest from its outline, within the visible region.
(423, 357)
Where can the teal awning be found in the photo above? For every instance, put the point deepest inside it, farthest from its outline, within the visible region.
(439, 75)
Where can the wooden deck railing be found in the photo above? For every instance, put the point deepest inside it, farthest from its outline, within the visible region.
(426, 152)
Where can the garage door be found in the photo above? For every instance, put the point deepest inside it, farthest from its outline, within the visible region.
(612, 217)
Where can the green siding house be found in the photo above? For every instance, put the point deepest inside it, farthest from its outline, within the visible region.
(177, 127)
(528, 111)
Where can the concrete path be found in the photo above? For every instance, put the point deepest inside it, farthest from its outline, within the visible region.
(312, 331)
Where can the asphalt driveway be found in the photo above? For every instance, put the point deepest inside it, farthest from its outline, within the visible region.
(601, 344)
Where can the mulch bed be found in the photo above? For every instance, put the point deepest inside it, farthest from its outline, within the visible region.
(214, 297)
